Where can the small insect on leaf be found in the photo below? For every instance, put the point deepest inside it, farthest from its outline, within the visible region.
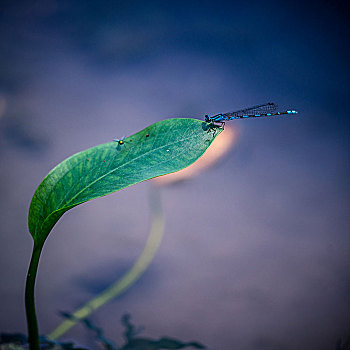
(120, 142)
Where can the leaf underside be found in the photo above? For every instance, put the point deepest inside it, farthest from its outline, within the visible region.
(161, 148)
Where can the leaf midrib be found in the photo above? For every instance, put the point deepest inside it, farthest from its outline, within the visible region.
(121, 166)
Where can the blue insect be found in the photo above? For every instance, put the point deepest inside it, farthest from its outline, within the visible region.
(265, 110)
(120, 142)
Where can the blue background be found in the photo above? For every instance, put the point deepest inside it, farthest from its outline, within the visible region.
(256, 251)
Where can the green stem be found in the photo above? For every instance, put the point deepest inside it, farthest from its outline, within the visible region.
(32, 324)
(130, 277)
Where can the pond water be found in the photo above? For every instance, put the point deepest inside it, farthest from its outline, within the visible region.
(255, 248)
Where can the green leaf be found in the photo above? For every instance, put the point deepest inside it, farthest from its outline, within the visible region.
(161, 148)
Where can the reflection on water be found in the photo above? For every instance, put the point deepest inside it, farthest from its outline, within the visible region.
(132, 340)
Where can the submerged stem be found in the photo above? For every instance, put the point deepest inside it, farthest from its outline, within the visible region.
(32, 324)
(130, 277)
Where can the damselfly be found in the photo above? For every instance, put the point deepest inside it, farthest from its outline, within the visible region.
(265, 110)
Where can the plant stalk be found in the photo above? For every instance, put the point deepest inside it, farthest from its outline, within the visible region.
(131, 276)
(32, 323)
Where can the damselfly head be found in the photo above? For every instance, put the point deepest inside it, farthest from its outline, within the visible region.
(207, 119)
